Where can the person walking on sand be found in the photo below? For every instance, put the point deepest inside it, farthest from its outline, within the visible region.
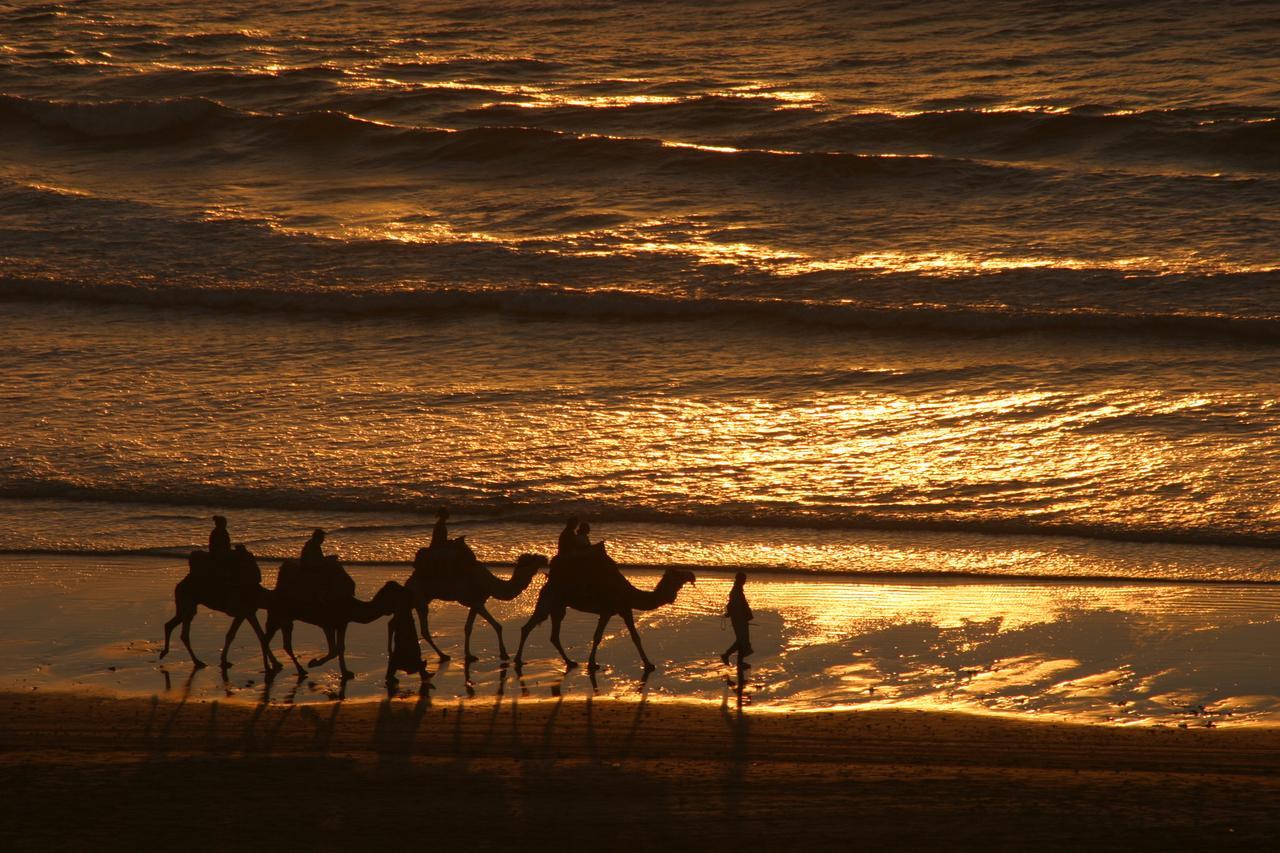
(568, 536)
(440, 533)
(739, 615)
(403, 652)
(220, 540)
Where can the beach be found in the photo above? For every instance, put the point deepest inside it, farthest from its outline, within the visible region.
(1108, 653)
(952, 326)
(122, 773)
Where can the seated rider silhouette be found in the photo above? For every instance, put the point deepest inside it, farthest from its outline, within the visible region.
(582, 539)
(318, 565)
(312, 554)
(568, 537)
(220, 541)
(440, 533)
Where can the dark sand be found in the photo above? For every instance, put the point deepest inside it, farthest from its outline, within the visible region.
(81, 772)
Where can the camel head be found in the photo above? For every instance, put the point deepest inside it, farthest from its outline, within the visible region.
(673, 580)
(530, 564)
(390, 598)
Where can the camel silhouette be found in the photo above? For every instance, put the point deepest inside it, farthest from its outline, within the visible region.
(451, 572)
(233, 587)
(588, 579)
(324, 598)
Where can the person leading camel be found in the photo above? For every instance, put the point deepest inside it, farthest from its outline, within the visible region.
(403, 652)
(740, 616)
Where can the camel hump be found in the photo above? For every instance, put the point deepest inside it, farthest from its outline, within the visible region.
(328, 579)
(200, 566)
(462, 549)
(234, 571)
(244, 568)
(584, 566)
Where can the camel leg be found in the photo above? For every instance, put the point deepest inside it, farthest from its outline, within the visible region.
(341, 635)
(168, 629)
(557, 617)
(540, 612)
(595, 641)
(269, 663)
(329, 655)
(186, 641)
(497, 627)
(184, 610)
(286, 635)
(635, 638)
(231, 635)
(423, 608)
(466, 637)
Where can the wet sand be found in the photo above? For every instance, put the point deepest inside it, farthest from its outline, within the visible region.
(917, 715)
(84, 772)
(1109, 653)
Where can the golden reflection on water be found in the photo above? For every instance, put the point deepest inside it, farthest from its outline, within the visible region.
(404, 224)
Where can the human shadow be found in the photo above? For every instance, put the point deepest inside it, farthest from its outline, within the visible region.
(739, 723)
(397, 726)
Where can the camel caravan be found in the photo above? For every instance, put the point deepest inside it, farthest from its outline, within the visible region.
(317, 590)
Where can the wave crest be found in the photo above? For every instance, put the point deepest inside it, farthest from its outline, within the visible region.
(566, 302)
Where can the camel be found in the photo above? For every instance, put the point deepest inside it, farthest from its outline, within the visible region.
(327, 599)
(235, 590)
(589, 580)
(453, 573)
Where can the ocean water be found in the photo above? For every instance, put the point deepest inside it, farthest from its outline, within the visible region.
(880, 287)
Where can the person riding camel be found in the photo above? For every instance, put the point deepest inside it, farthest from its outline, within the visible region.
(582, 539)
(569, 536)
(312, 553)
(220, 540)
(440, 533)
(321, 567)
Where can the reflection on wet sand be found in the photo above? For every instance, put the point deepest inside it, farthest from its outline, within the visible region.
(1121, 653)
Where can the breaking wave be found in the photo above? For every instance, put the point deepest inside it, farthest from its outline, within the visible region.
(552, 301)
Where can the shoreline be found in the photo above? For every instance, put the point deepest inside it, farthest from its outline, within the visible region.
(87, 528)
(216, 775)
(781, 573)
